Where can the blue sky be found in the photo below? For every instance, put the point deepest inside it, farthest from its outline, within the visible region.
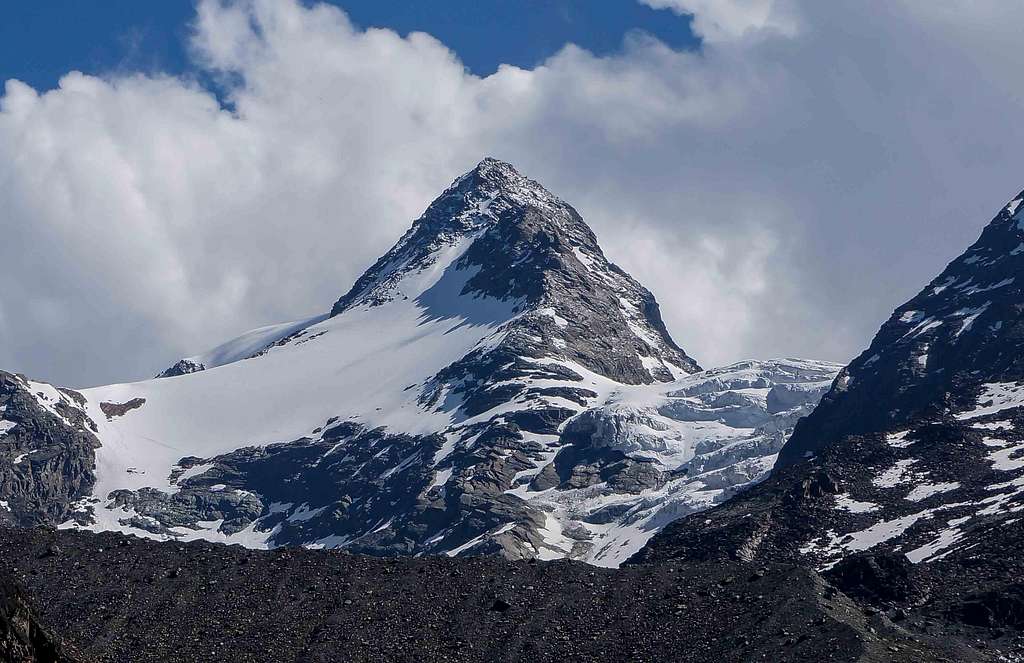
(42, 40)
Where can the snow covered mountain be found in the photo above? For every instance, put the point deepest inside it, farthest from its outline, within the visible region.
(907, 482)
(493, 384)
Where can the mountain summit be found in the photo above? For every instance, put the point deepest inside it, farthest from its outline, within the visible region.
(510, 240)
(501, 245)
(491, 384)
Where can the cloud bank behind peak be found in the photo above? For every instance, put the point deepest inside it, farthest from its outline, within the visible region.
(780, 190)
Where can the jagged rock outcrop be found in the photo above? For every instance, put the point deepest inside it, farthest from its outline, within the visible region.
(22, 638)
(47, 451)
(182, 367)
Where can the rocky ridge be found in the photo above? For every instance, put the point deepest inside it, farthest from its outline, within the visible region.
(47, 451)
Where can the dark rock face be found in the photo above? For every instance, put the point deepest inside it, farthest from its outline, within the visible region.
(182, 367)
(22, 638)
(339, 486)
(580, 465)
(112, 410)
(875, 578)
(995, 609)
(366, 490)
(964, 329)
(47, 451)
(137, 601)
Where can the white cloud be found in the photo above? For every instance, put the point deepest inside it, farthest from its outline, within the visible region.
(719, 20)
(780, 195)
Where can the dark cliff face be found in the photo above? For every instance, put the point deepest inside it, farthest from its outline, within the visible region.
(353, 491)
(22, 638)
(964, 329)
(48, 448)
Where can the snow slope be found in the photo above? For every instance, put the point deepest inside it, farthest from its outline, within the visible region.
(356, 366)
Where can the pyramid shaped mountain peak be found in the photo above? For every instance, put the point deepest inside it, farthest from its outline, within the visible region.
(488, 370)
(498, 236)
(491, 204)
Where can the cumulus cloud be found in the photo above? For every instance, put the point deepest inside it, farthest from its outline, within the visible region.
(719, 20)
(780, 194)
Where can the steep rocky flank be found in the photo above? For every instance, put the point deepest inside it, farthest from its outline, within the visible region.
(935, 353)
(47, 451)
(22, 638)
